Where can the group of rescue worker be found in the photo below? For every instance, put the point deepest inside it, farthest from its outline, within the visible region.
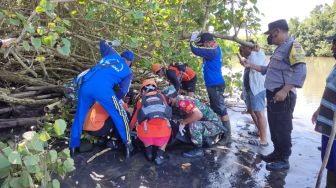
(160, 117)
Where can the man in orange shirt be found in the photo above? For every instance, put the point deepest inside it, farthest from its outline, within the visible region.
(151, 120)
(179, 75)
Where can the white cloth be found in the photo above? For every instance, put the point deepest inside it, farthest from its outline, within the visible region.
(256, 79)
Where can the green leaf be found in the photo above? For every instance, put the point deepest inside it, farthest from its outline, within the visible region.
(29, 135)
(39, 9)
(26, 180)
(8, 150)
(29, 28)
(4, 166)
(165, 43)
(60, 29)
(138, 15)
(15, 22)
(68, 165)
(26, 45)
(66, 22)
(15, 158)
(34, 169)
(59, 127)
(36, 144)
(98, 185)
(36, 42)
(15, 182)
(41, 30)
(2, 145)
(56, 183)
(65, 153)
(52, 156)
(44, 136)
(31, 160)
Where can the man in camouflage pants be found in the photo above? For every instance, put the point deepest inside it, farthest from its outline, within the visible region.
(204, 125)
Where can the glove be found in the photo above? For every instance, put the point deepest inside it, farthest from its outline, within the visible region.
(114, 42)
(194, 36)
(181, 129)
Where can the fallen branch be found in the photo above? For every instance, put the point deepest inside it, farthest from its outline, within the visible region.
(98, 154)
(12, 100)
(20, 79)
(19, 122)
(52, 106)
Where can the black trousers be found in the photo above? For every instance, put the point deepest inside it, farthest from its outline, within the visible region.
(280, 115)
(216, 96)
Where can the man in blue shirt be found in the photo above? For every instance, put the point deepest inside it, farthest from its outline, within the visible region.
(206, 47)
(98, 85)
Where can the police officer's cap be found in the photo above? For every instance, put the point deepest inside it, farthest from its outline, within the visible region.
(279, 24)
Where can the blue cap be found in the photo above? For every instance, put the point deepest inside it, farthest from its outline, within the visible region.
(128, 55)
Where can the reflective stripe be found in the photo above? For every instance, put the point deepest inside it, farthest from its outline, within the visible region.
(122, 114)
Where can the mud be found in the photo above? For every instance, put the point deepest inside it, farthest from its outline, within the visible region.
(237, 165)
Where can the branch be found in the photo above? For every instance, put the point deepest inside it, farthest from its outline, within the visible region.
(206, 13)
(225, 37)
(23, 64)
(11, 100)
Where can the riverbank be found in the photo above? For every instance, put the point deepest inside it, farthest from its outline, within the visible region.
(235, 166)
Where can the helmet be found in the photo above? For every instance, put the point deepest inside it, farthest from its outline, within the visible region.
(148, 82)
(156, 67)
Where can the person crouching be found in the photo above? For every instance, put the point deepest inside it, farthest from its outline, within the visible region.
(151, 119)
(203, 123)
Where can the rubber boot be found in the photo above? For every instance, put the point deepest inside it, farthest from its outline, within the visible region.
(227, 135)
(149, 153)
(272, 157)
(194, 153)
(129, 150)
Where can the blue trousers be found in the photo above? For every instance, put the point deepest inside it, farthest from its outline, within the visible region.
(89, 93)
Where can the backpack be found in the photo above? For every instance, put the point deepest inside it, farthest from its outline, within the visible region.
(154, 106)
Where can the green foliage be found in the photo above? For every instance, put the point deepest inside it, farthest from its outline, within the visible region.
(31, 164)
(311, 32)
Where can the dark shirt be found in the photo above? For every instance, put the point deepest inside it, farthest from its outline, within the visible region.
(246, 79)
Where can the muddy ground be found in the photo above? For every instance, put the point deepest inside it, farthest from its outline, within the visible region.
(237, 165)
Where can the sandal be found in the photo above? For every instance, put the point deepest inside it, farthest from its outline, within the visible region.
(253, 133)
(256, 142)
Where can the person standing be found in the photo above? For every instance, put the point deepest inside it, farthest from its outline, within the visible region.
(323, 118)
(206, 47)
(255, 93)
(285, 72)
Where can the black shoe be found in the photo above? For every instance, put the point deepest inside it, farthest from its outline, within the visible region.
(270, 157)
(129, 150)
(278, 165)
(196, 152)
(160, 157)
(149, 153)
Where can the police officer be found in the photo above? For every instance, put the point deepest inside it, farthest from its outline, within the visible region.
(285, 72)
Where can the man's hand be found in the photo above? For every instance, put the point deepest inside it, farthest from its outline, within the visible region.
(246, 63)
(7, 42)
(194, 36)
(280, 95)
